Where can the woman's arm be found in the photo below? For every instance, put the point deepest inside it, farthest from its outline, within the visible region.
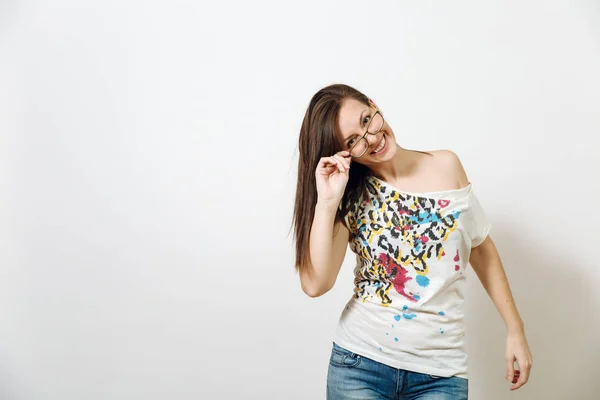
(328, 243)
(486, 263)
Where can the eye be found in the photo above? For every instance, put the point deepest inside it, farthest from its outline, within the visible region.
(350, 142)
(365, 122)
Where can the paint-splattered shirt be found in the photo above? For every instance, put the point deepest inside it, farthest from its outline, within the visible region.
(411, 253)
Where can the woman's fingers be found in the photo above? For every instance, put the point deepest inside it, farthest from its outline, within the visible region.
(522, 373)
(330, 169)
(340, 160)
(340, 163)
(510, 370)
(344, 161)
(519, 377)
(329, 162)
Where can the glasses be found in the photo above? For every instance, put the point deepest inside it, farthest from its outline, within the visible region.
(360, 147)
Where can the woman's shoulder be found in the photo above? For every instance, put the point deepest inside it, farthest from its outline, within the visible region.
(445, 158)
(447, 163)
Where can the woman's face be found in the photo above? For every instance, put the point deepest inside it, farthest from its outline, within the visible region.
(353, 121)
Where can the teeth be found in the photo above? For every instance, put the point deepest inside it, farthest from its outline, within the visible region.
(380, 146)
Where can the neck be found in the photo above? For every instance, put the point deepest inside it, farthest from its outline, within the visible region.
(400, 166)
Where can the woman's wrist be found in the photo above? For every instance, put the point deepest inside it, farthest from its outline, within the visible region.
(516, 328)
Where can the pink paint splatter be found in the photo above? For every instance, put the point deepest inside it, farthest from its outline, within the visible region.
(397, 275)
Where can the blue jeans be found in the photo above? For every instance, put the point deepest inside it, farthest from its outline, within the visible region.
(352, 376)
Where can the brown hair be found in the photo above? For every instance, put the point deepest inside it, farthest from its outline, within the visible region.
(319, 137)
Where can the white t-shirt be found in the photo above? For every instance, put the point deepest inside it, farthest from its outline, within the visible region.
(411, 253)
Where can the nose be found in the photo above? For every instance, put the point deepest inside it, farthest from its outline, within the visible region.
(374, 139)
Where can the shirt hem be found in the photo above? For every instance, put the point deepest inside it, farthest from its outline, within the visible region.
(400, 364)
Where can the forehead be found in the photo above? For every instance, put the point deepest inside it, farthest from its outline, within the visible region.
(349, 119)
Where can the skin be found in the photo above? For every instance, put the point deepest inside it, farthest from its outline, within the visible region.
(416, 172)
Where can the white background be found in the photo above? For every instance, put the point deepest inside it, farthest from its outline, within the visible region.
(148, 155)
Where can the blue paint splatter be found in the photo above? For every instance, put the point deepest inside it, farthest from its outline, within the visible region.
(397, 317)
(422, 280)
(409, 316)
(396, 339)
(417, 297)
(405, 308)
(363, 228)
(423, 218)
(441, 313)
(386, 334)
(392, 325)
(380, 349)
(441, 331)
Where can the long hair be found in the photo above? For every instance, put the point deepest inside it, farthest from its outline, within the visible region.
(319, 137)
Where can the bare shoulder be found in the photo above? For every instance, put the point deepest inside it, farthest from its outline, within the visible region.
(449, 163)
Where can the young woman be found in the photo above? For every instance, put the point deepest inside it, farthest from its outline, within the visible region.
(414, 222)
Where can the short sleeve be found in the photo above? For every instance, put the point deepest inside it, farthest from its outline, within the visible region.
(478, 224)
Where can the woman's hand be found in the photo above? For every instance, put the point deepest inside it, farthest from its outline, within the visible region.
(517, 349)
(332, 176)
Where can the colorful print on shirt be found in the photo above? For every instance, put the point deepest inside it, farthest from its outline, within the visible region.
(397, 236)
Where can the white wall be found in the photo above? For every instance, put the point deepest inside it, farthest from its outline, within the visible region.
(147, 171)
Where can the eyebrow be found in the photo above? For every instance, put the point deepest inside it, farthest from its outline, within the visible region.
(359, 124)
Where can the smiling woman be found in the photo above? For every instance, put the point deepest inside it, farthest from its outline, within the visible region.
(413, 220)
(357, 146)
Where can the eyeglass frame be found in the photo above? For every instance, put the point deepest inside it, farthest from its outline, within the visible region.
(365, 135)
